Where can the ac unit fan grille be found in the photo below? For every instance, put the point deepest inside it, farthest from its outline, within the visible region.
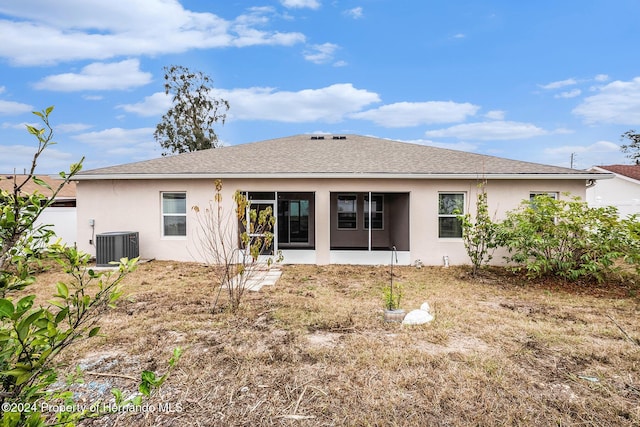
(115, 245)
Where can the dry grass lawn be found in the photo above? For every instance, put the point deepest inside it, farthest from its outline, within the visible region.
(314, 351)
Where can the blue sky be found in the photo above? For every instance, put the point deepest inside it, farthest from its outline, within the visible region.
(534, 81)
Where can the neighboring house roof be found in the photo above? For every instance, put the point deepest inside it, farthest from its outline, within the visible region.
(630, 171)
(334, 156)
(7, 183)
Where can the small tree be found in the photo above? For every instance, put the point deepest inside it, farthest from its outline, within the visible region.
(632, 149)
(21, 241)
(31, 338)
(233, 243)
(188, 125)
(479, 233)
(565, 238)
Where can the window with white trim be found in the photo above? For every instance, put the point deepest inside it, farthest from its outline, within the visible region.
(377, 212)
(347, 211)
(552, 194)
(450, 205)
(174, 214)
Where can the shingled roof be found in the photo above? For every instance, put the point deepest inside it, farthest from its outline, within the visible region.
(630, 171)
(329, 156)
(7, 182)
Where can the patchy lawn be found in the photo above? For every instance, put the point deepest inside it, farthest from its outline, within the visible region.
(313, 350)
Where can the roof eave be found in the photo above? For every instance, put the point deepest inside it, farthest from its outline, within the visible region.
(330, 175)
(616, 174)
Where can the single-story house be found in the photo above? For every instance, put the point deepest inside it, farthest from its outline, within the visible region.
(623, 191)
(336, 198)
(61, 214)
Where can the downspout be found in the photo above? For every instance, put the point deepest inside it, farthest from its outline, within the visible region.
(369, 221)
(591, 183)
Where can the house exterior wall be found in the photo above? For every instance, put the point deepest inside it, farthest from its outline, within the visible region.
(621, 192)
(135, 205)
(63, 220)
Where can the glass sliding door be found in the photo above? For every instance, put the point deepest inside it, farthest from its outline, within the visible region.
(295, 220)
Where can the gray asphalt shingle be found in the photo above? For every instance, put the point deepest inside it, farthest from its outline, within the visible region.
(306, 154)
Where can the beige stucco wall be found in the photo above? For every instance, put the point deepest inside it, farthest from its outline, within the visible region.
(135, 205)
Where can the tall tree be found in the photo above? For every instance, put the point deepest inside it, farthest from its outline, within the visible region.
(188, 125)
(632, 149)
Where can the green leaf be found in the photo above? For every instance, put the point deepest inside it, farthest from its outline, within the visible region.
(149, 376)
(21, 374)
(41, 182)
(32, 129)
(63, 290)
(23, 326)
(118, 395)
(145, 389)
(61, 315)
(93, 332)
(25, 303)
(6, 308)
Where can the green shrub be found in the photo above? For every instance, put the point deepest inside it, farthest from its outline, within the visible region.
(31, 337)
(478, 233)
(567, 238)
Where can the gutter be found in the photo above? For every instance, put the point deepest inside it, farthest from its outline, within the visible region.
(329, 175)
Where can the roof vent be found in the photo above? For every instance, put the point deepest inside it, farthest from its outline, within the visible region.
(339, 137)
(317, 137)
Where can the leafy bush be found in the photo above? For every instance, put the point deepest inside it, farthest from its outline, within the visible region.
(31, 337)
(567, 238)
(479, 233)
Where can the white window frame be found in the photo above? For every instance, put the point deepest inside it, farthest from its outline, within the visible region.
(166, 215)
(355, 211)
(379, 211)
(444, 215)
(553, 194)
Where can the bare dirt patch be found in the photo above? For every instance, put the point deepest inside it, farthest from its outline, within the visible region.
(313, 350)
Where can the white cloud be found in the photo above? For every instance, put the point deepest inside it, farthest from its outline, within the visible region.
(495, 115)
(72, 127)
(601, 78)
(321, 53)
(329, 104)
(245, 27)
(355, 13)
(110, 139)
(70, 30)
(563, 131)
(154, 105)
(494, 130)
(584, 156)
(299, 4)
(559, 84)
(2, 89)
(98, 76)
(19, 126)
(459, 36)
(617, 102)
(10, 107)
(598, 147)
(405, 114)
(17, 157)
(568, 94)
